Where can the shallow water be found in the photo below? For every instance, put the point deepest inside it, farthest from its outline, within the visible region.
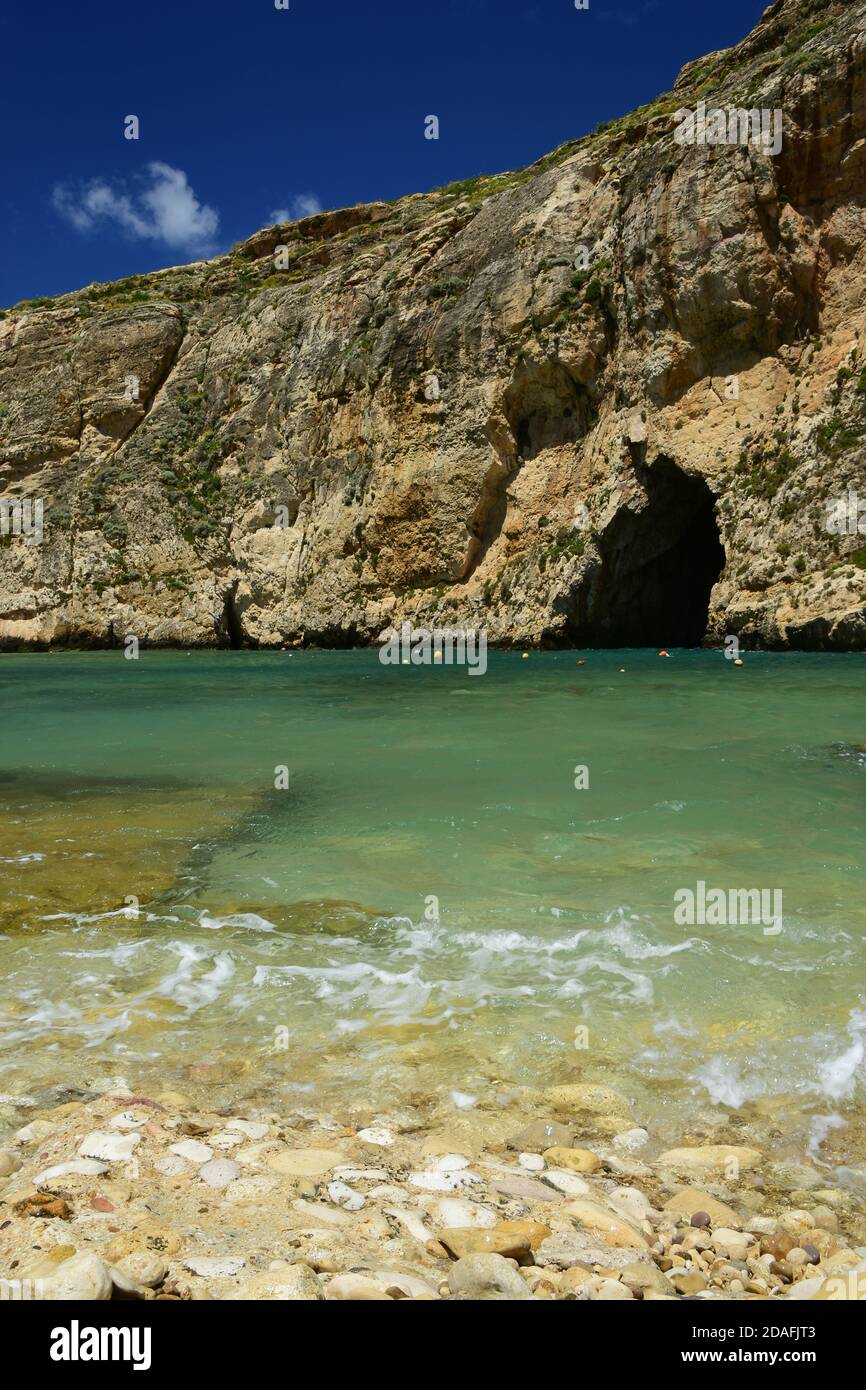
(288, 940)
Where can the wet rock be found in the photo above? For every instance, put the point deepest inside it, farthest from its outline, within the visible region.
(711, 1158)
(471, 1241)
(9, 1163)
(250, 1129)
(790, 1177)
(173, 1100)
(576, 1160)
(778, 1245)
(614, 1230)
(34, 1133)
(592, 1099)
(441, 1145)
(796, 1222)
(305, 1163)
(690, 1200)
(534, 1231)
(541, 1135)
(630, 1141)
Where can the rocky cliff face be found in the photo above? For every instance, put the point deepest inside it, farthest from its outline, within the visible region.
(611, 398)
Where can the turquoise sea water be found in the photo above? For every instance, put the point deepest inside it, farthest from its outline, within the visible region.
(431, 904)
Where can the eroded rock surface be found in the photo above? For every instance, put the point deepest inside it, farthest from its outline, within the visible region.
(423, 410)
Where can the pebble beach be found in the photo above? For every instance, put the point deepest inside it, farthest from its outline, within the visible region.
(564, 1194)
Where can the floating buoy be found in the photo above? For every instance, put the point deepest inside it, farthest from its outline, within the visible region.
(664, 653)
(622, 670)
(581, 662)
(526, 656)
(738, 661)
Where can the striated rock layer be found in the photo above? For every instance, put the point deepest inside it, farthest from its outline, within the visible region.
(442, 409)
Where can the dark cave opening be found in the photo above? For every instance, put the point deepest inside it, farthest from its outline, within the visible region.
(230, 628)
(658, 567)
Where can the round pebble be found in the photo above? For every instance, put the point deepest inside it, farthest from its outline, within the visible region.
(219, 1172)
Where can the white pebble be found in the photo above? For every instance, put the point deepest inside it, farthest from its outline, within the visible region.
(464, 1101)
(219, 1172)
(215, 1268)
(534, 1162)
(253, 1129)
(442, 1182)
(450, 1163)
(113, 1148)
(344, 1197)
(193, 1150)
(84, 1167)
(380, 1137)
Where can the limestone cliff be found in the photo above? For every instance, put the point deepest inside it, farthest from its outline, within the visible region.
(445, 409)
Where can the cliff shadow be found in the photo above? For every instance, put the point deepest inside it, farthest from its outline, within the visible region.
(657, 567)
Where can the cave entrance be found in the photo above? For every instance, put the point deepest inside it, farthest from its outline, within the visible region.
(658, 567)
(229, 627)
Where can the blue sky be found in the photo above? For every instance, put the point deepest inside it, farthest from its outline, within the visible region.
(246, 110)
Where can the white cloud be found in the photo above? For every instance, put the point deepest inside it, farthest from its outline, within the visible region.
(303, 205)
(164, 208)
